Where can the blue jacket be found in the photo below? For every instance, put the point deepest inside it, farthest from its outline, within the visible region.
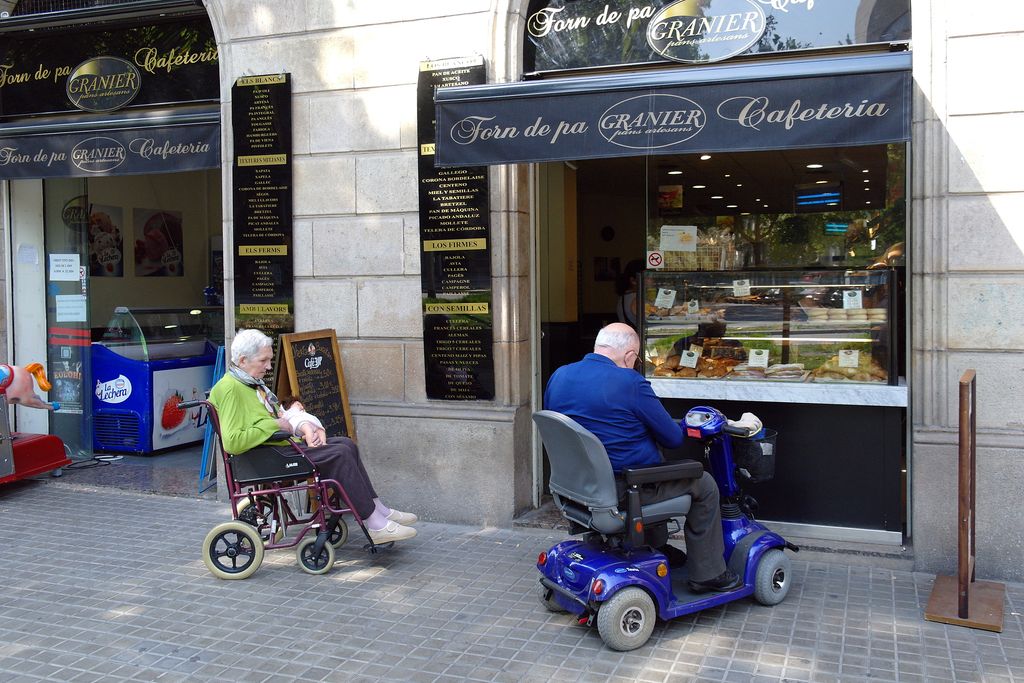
(618, 405)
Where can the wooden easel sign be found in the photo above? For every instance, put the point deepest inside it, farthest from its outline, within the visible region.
(312, 372)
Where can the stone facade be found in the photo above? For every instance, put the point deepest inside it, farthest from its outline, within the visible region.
(968, 265)
(353, 67)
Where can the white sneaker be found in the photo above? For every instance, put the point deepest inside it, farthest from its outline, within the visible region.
(393, 531)
(403, 518)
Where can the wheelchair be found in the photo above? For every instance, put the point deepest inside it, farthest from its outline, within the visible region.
(262, 486)
(614, 576)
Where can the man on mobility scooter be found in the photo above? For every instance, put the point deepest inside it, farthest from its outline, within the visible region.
(601, 417)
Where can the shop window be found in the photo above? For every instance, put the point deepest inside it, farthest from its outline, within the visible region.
(835, 207)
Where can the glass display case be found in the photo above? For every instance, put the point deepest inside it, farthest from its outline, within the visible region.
(787, 326)
(148, 361)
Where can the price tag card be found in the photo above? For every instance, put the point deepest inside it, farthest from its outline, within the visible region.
(848, 358)
(741, 287)
(699, 350)
(853, 298)
(666, 298)
(693, 307)
(758, 358)
(689, 359)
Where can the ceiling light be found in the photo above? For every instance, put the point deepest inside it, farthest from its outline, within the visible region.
(867, 189)
(744, 213)
(868, 201)
(699, 187)
(765, 205)
(814, 166)
(705, 157)
(867, 180)
(820, 182)
(675, 172)
(758, 199)
(731, 206)
(717, 196)
(728, 175)
(866, 171)
(739, 184)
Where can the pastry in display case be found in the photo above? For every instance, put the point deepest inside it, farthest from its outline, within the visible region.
(785, 326)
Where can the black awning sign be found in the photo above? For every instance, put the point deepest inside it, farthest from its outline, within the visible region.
(790, 113)
(115, 152)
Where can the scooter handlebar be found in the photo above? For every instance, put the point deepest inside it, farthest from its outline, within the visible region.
(736, 431)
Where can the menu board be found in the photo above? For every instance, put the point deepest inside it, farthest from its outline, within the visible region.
(315, 378)
(261, 119)
(455, 252)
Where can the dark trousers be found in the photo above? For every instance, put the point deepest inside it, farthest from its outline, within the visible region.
(338, 459)
(705, 547)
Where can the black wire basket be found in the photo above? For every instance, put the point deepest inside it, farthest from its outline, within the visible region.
(755, 457)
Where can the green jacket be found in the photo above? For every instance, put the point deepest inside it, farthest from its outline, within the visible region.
(244, 421)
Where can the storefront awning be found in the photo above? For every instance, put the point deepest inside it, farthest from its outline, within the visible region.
(791, 104)
(127, 143)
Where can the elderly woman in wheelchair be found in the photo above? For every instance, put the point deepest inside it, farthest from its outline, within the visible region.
(261, 460)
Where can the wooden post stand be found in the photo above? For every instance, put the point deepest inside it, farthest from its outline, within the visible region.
(959, 599)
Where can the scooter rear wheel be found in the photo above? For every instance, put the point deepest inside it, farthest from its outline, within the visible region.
(626, 620)
(774, 577)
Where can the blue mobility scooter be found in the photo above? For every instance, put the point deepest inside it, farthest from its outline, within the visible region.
(614, 575)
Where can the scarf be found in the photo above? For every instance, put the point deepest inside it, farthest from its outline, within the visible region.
(267, 397)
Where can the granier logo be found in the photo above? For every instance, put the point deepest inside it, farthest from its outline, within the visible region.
(98, 154)
(702, 31)
(103, 84)
(651, 121)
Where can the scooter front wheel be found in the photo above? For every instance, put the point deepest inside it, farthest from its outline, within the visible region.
(626, 620)
(773, 578)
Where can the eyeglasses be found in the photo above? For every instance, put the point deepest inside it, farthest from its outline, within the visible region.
(636, 358)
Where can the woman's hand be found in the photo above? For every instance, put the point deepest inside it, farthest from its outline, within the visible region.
(313, 437)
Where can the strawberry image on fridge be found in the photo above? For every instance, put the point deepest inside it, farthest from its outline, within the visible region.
(148, 362)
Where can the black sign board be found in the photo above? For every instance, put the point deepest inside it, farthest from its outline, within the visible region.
(562, 35)
(455, 253)
(167, 62)
(262, 197)
(313, 365)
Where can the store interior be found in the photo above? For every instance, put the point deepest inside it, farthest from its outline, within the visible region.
(152, 249)
(827, 208)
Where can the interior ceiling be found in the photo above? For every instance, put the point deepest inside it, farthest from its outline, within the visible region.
(749, 180)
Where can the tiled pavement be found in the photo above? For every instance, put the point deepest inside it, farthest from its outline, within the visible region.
(106, 585)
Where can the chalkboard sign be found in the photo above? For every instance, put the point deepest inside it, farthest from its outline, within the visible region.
(313, 365)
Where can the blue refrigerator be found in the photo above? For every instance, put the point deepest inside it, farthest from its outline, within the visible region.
(148, 361)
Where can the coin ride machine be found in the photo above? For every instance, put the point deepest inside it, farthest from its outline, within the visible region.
(148, 361)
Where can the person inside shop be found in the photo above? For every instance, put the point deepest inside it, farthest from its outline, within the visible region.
(605, 395)
(250, 414)
(627, 286)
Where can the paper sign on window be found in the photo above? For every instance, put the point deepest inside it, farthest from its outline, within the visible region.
(758, 358)
(853, 298)
(666, 298)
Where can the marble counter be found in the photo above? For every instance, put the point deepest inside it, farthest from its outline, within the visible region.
(839, 393)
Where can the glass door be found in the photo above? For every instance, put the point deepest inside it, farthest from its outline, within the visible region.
(66, 212)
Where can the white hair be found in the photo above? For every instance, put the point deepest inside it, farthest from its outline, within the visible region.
(616, 338)
(247, 343)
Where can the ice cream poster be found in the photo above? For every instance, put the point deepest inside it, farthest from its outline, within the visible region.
(158, 243)
(106, 241)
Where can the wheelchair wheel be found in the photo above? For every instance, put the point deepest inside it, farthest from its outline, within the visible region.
(232, 550)
(320, 564)
(339, 534)
(626, 620)
(773, 578)
(259, 516)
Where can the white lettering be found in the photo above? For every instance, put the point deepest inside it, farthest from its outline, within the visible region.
(751, 112)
